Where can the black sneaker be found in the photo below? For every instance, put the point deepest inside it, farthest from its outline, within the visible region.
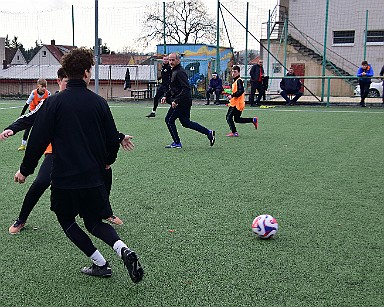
(132, 264)
(151, 115)
(211, 137)
(99, 271)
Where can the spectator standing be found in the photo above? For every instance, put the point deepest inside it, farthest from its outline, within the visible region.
(365, 72)
(256, 79)
(127, 80)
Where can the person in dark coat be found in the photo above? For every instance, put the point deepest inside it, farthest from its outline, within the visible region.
(127, 80)
(290, 86)
(215, 86)
(81, 128)
(166, 73)
(180, 98)
(365, 72)
(257, 75)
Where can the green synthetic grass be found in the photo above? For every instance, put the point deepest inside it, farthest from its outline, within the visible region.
(188, 213)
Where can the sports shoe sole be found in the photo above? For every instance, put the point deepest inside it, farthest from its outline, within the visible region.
(133, 265)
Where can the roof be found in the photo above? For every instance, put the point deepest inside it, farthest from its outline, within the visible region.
(122, 59)
(49, 72)
(58, 50)
(9, 54)
(191, 44)
(153, 58)
(116, 59)
(254, 61)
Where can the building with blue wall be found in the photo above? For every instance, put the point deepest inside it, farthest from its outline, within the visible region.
(199, 61)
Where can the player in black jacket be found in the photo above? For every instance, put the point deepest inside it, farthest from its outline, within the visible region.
(179, 96)
(43, 179)
(166, 73)
(80, 126)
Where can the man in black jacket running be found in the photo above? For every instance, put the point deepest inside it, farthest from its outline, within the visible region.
(180, 98)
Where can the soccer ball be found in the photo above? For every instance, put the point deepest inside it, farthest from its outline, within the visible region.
(265, 226)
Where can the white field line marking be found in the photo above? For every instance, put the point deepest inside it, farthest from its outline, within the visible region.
(8, 108)
(264, 110)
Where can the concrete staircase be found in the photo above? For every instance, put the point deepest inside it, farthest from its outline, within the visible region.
(318, 58)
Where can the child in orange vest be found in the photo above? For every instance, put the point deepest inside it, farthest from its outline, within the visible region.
(33, 100)
(237, 103)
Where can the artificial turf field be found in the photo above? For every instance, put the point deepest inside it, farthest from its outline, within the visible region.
(188, 212)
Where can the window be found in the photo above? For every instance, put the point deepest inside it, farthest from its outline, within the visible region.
(343, 37)
(375, 36)
(44, 54)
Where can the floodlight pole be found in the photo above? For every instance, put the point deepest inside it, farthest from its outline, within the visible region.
(268, 39)
(365, 36)
(325, 50)
(285, 43)
(246, 47)
(73, 27)
(164, 26)
(96, 49)
(218, 38)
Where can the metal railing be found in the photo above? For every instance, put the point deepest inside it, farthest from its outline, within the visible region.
(327, 78)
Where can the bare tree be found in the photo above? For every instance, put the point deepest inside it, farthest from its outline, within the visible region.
(187, 21)
(129, 49)
(15, 43)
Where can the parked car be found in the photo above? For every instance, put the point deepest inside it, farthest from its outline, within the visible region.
(375, 90)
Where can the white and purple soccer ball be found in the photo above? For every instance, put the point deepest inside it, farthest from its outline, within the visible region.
(265, 226)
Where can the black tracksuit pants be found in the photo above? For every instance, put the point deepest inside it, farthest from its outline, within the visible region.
(234, 115)
(42, 183)
(183, 114)
(260, 88)
(364, 90)
(161, 90)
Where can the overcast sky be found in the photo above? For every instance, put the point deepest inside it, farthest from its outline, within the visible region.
(38, 5)
(120, 21)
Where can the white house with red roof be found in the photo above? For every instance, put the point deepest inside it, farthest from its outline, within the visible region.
(50, 54)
